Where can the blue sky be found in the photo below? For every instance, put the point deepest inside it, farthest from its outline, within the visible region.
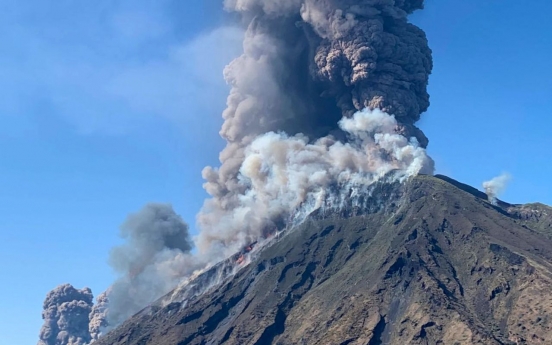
(107, 105)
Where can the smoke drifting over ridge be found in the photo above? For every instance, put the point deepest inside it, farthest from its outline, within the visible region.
(326, 93)
(496, 186)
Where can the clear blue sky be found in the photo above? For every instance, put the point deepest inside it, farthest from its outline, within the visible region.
(106, 105)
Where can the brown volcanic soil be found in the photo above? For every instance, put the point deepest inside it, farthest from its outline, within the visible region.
(437, 264)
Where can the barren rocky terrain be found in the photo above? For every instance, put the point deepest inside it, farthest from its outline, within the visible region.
(432, 262)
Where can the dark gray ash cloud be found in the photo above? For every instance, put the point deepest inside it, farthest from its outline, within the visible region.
(66, 311)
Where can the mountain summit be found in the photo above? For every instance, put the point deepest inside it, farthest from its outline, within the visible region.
(428, 261)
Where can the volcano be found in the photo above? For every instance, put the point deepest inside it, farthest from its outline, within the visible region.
(427, 261)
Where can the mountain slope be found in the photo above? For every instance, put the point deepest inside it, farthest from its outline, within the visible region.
(431, 263)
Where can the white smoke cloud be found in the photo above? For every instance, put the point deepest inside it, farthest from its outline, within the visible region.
(496, 186)
(280, 173)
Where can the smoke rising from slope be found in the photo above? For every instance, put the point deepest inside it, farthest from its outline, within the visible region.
(65, 315)
(283, 175)
(496, 186)
(151, 262)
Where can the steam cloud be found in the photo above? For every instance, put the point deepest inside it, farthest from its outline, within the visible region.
(326, 93)
(496, 186)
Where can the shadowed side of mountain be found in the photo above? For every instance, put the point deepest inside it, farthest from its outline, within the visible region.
(442, 266)
(466, 188)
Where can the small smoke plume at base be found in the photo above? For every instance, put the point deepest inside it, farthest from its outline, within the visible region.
(65, 314)
(98, 316)
(496, 186)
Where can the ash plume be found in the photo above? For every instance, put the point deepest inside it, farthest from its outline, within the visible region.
(306, 64)
(496, 186)
(65, 315)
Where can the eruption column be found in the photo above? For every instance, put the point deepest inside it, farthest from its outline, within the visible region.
(306, 64)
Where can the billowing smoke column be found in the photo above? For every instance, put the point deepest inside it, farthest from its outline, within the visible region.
(307, 64)
(496, 186)
(66, 312)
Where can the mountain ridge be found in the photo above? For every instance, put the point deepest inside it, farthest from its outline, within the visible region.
(437, 264)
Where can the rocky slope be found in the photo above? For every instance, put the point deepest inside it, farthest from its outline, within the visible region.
(430, 262)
